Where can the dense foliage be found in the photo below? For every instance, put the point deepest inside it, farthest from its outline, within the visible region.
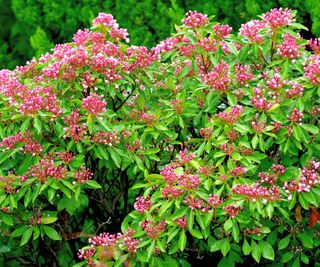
(32, 27)
(211, 138)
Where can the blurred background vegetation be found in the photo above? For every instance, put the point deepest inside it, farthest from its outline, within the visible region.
(32, 27)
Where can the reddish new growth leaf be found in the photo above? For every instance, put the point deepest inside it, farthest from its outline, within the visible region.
(314, 216)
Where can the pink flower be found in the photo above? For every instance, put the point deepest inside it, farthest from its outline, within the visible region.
(296, 116)
(110, 139)
(232, 210)
(232, 116)
(83, 175)
(218, 78)
(278, 17)
(251, 30)
(195, 20)
(314, 44)
(238, 171)
(142, 204)
(312, 69)
(182, 222)
(289, 47)
(94, 104)
(221, 31)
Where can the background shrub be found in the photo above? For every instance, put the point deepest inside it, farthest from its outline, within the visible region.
(30, 28)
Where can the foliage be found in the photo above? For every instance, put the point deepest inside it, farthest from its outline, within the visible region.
(147, 21)
(218, 134)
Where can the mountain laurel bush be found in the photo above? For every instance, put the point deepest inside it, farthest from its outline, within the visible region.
(206, 145)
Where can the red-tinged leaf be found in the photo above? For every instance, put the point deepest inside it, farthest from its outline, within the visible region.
(314, 216)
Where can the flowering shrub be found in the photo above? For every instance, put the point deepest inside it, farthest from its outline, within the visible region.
(215, 134)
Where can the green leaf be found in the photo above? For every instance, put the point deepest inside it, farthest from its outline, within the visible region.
(19, 231)
(232, 100)
(182, 240)
(196, 233)
(246, 248)
(284, 242)
(26, 236)
(151, 249)
(256, 251)
(115, 157)
(267, 250)
(311, 128)
(48, 220)
(93, 184)
(37, 124)
(235, 231)
(50, 232)
(286, 257)
(225, 247)
(307, 240)
(255, 141)
(6, 218)
(227, 225)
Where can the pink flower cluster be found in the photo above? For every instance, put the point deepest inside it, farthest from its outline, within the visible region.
(176, 105)
(29, 144)
(188, 181)
(139, 57)
(251, 30)
(276, 18)
(39, 98)
(227, 148)
(206, 132)
(73, 129)
(83, 175)
(170, 191)
(259, 101)
(195, 203)
(221, 31)
(214, 200)
(166, 45)
(169, 174)
(314, 44)
(128, 241)
(142, 204)
(153, 229)
(255, 192)
(289, 47)
(143, 117)
(296, 90)
(243, 74)
(218, 78)
(104, 240)
(87, 254)
(47, 168)
(182, 222)
(232, 116)
(258, 126)
(185, 157)
(296, 116)
(195, 20)
(238, 171)
(312, 69)
(309, 178)
(107, 20)
(208, 45)
(94, 104)
(232, 210)
(110, 139)
(7, 183)
(275, 82)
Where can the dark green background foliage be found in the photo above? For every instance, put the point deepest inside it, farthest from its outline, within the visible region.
(31, 27)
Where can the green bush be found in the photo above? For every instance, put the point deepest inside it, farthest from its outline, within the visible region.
(148, 21)
(217, 133)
